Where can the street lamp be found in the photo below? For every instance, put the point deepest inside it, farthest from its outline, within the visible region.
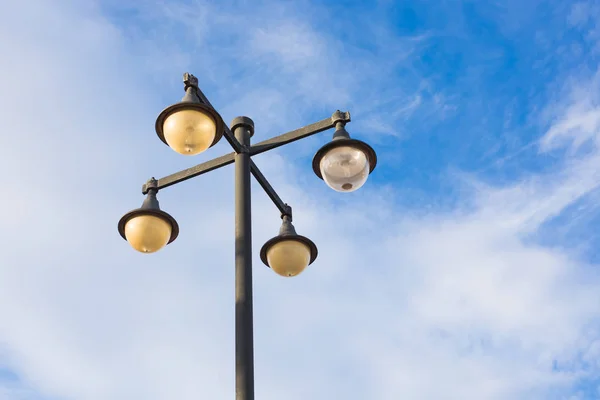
(288, 254)
(192, 126)
(344, 163)
(148, 228)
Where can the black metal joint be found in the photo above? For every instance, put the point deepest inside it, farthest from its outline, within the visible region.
(151, 185)
(193, 93)
(190, 80)
(287, 212)
(340, 116)
(243, 149)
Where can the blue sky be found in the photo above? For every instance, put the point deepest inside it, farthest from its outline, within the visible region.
(465, 268)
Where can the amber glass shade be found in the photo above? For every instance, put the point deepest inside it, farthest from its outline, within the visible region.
(288, 257)
(147, 233)
(189, 131)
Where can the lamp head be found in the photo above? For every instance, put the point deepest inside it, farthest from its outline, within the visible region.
(344, 163)
(148, 228)
(288, 254)
(190, 126)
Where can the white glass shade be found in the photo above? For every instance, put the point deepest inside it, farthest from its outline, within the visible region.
(189, 131)
(345, 168)
(147, 233)
(288, 257)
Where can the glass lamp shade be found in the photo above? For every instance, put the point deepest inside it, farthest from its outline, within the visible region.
(288, 257)
(345, 168)
(189, 131)
(147, 233)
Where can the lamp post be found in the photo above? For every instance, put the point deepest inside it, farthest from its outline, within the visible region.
(192, 126)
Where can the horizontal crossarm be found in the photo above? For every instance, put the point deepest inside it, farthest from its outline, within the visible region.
(193, 172)
(301, 133)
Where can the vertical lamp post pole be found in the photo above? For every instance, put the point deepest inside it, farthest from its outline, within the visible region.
(243, 129)
(192, 126)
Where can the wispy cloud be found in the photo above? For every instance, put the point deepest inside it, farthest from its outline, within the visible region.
(405, 301)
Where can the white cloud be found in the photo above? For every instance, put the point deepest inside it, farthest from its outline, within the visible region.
(584, 16)
(576, 117)
(459, 304)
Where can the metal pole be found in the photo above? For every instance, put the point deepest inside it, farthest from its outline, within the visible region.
(243, 129)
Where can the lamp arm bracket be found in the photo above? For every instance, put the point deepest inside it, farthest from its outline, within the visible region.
(300, 133)
(264, 183)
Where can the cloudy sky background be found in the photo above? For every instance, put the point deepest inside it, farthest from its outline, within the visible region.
(466, 267)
